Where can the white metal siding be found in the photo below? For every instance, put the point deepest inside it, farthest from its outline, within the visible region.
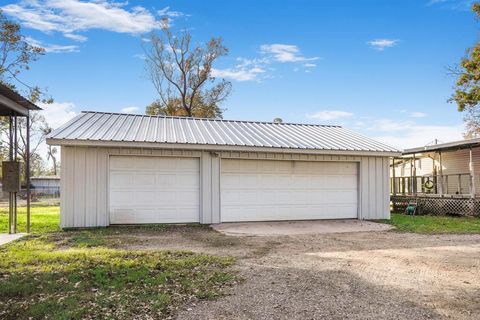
(86, 205)
(262, 190)
(150, 189)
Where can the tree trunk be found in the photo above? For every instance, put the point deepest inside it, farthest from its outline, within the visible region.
(54, 165)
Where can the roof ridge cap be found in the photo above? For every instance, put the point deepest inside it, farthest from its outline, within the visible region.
(213, 119)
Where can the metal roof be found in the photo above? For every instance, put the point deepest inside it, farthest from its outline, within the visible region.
(454, 145)
(89, 127)
(12, 95)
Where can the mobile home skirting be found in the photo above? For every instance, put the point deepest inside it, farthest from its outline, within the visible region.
(85, 181)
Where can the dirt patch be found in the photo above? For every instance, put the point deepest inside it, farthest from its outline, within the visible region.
(291, 228)
(382, 275)
(292, 293)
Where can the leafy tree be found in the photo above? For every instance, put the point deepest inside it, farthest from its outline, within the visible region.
(467, 86)
(182, 75)
(174, 107)
(37, 166)
(16, 55)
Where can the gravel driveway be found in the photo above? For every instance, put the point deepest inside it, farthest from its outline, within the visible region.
(362, 275)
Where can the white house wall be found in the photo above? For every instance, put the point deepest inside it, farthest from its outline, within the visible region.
(453, 162)
(85, 171)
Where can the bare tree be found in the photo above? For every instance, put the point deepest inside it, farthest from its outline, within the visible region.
(51, 151)
(182, 74)
(37, 136)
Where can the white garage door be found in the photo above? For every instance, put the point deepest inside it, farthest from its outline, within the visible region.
(262, 190)
(154, 190)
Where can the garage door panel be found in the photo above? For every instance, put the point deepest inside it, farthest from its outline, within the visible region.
(187, 196)
(247, 180)
(340, 181)
(239, 196)
(166, 180)
(121, 197)
(187, 180)
(148, 163)
(262, 190)
(121, 179)
(303, 180)
(121, 215)
(149, 196)
(185, 164)
(120, 163)
(144, 179)
(154, 190)
(300, 212)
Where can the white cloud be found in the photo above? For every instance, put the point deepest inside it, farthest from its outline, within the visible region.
(285, 53)
(408, 134)
(382, 44)
(140, 56)
(238, 74)
(258, 69)
(457, 5)
(52, 48)
(421, 135)
(245, 70)
(432, 2)
(58, 113)
(130, 110)
(417, 114)
(75, 37)
(72, 16)
(330, 115)
(55, 48)
(166, 12)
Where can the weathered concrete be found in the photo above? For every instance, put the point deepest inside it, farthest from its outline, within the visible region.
(6, 238)
(298, 227)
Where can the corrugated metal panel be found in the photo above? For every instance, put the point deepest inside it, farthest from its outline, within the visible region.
(97, 126)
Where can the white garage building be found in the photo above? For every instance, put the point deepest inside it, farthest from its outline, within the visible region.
(131, 169)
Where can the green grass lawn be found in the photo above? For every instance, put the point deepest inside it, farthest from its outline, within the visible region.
(434, 224)
(88, 274)
(44, 218)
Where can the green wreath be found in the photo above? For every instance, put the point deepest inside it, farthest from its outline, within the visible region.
(429, 184)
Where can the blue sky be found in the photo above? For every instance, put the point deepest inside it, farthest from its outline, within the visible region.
(378, 67)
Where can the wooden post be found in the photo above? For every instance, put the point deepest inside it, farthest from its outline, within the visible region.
(10, 194)
(15, 152)
(394, 189)
(27, 171)
(472, 175)
(440, 185)
(445, 186)
(459, 187)
(414, 175)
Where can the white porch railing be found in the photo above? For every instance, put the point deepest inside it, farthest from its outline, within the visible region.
(460, 184)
